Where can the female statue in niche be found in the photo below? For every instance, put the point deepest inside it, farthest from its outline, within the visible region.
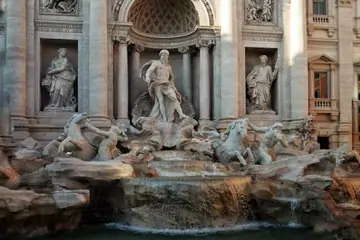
(259, 82)
(59, 81)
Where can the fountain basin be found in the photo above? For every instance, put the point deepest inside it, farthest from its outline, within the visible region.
(177, 203)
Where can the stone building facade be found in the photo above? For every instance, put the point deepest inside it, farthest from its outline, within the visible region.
(312, 52)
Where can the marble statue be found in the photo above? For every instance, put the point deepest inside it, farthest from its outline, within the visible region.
(59, 81)
(75, 142)
(235, 145)
(59, 6)
(272, 136)
(167, 99)
(259, 82)
(259, 11)
(108, 149)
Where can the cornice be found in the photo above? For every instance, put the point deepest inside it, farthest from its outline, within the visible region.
(199, 35)
(268, 36)
(55, 26)
(328, 42)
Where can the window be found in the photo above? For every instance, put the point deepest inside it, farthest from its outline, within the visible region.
(319, 7)
(324, 142)
(321, 85)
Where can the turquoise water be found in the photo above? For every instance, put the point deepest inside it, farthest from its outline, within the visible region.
(103, 233)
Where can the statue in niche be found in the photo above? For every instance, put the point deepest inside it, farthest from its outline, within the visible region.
(259, 11)
(59, 6)
(59, 81)
(259, 82)
(162, 102)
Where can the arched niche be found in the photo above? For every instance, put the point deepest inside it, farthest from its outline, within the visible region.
(205, 11)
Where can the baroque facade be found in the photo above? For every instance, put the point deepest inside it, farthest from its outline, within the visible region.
(268, 60)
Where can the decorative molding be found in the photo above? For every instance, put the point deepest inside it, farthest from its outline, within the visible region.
(116, 9)
(269, 36)
(322, 59)
(357, 32)
(210, 12)
(344, 3)
(63, 26)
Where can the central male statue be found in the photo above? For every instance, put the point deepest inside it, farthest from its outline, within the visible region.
(162, 89)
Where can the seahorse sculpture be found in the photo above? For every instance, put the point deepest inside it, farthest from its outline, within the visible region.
(235, 146)
(75, 142)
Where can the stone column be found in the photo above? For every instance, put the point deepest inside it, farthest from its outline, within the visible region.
(298, 60)
(98, 72)
(186, 65)
(204, 83)
(122, 81)
(15, 59)
(346, 69)
(135, 69)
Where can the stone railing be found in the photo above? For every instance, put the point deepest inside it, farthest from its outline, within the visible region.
(323, 104)
(323, 22)
(321, 19)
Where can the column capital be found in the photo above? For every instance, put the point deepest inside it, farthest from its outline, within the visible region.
(122, 39)
(185, 50)
(205, 43)
(138, 48)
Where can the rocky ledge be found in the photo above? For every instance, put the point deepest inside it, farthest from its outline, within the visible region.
(42, 194)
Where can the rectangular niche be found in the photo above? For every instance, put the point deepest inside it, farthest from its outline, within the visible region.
(59, 89)
(259, 101)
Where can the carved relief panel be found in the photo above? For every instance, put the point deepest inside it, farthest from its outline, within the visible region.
(260, 12)
(62, 7)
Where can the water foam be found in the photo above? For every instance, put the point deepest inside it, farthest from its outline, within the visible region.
(200, 231)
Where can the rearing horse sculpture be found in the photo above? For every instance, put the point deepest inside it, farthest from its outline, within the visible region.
(75, 142)
(235, 145)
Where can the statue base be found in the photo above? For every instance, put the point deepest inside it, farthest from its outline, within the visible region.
(60, 109)
(262, 112)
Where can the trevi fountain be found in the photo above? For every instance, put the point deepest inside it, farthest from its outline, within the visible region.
(168, 172)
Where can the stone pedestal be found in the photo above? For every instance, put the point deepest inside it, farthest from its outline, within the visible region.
(15, 76)
(98, 75)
